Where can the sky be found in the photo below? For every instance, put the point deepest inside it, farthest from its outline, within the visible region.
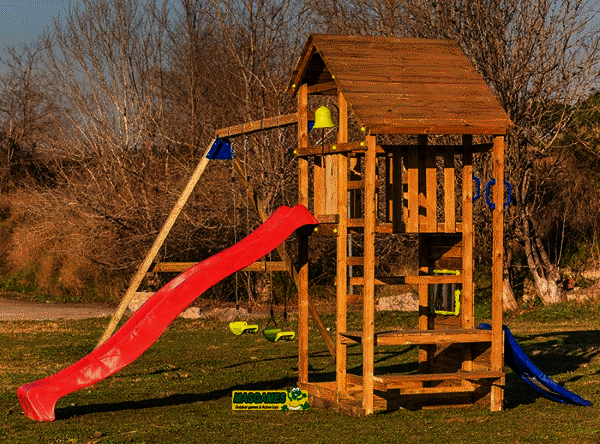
(22, 21)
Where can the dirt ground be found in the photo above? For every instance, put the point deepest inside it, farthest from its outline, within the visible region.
(13, 310)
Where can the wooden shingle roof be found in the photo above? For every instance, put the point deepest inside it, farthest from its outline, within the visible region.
(401, 86)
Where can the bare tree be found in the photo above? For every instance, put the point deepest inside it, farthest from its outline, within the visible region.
(27, 113)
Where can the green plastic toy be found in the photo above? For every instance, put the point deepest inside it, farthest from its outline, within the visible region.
(275, 334)
(241, 327)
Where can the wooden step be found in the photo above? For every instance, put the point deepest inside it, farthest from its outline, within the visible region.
(399, 381)
(381, 280)
(401, 280)
(410, 337)
(406, 383)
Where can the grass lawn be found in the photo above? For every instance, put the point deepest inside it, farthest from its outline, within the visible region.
(180, 389)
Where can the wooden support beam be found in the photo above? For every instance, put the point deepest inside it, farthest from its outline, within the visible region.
(302, 276)
(467, 311)
(259, 125)
(497, 396)
(342, 250)
(320, 88)
(369, 273)
(468, 304)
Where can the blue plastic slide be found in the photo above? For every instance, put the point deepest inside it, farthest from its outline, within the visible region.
(518, 361)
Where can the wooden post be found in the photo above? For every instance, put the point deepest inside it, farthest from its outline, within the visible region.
(303, 241)
(369, 275)
(467, 305)
(468, 302)
(497, 396)
(158, 242)
(342, 249)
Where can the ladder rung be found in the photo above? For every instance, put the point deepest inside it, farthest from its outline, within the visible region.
(391, 280)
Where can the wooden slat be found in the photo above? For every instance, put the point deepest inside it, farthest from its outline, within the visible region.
(431, 189)
(331, 184)
(258, 125)
(319, 185)
(449, 197)
(412, 167)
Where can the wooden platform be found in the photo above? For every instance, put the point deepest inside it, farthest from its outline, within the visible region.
(411, 392)
(410, 337)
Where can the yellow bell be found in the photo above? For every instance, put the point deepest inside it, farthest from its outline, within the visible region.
(323, 118)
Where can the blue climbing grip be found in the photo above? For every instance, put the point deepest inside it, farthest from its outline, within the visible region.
(478, 189)
(491, 204)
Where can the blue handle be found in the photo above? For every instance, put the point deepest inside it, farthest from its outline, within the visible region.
(478, 184)
(487, 193)
(509, 190)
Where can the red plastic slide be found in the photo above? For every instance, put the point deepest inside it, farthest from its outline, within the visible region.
(147, 324)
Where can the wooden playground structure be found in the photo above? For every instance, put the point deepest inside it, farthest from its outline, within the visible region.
(388, 88)
(402, 87)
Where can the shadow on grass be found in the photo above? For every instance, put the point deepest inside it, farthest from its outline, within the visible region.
(172, 400)
(554, 353)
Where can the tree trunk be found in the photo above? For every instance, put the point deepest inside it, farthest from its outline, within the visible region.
(509, 302)
(545, 275)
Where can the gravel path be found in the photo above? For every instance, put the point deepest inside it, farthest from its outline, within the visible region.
(12, 310)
